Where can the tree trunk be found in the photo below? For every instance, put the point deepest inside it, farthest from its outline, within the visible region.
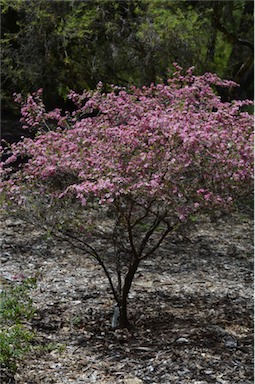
(123, 317)
(209, 60)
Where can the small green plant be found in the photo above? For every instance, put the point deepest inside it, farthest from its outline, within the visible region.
(14, 343)
(16, 305)
(77, 321)
(16, 309)
(49, 347)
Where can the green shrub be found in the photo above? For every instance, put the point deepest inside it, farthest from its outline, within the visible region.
(14, 343)
(16, 309)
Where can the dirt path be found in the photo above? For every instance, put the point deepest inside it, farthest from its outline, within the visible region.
(191, 306)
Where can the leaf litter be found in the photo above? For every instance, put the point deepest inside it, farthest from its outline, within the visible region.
(191, 306)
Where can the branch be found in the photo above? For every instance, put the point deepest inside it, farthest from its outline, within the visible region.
(232, 38)
(152, 229)
(166, 232)
(92, 252)
(127, 218)
(131, 239)
(147, 210)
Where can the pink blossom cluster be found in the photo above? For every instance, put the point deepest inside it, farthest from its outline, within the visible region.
(176, 144)
(34, 115)
(33, 110)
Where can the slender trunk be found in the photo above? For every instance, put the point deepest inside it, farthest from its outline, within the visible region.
(211, 47)
(123, 319)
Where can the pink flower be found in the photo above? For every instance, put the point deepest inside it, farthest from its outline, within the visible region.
(11, 159)
(207, 196)
(160, 142)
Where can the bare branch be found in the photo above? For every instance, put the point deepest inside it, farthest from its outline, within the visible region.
(232, 38)
(159, 242)
(92, 252)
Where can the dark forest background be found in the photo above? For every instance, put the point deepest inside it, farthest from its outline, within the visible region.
(63, 45)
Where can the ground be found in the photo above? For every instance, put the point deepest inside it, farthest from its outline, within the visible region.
(191, 308)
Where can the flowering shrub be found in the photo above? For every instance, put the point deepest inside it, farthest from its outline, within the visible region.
(147, 161)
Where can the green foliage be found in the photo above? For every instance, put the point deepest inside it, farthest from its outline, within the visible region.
(49, 347)
(16, 305)
(16, 309)
(77, 321)
(222, 54)
(62, 45)
(14, 343)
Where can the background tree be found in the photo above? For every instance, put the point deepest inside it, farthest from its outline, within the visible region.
(59, 45)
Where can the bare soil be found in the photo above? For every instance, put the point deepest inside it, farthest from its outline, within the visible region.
(191, 307)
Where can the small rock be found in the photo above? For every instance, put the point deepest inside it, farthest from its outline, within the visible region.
(221, 381)
(230, 343)
(208, 372)
(56, 366)
(13, 223)
(200, 382)
(183, 372)
(5, 257)
(133, 380)
(182, 340)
